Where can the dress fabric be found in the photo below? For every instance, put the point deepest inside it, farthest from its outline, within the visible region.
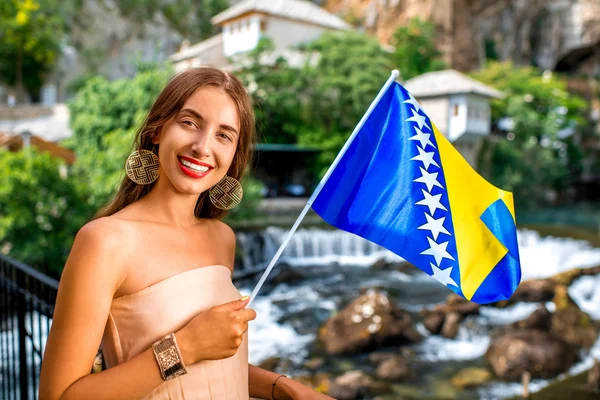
(139, 319)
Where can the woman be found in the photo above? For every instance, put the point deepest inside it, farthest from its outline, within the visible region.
(150, 277)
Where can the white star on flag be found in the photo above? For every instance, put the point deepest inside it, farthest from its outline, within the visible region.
(413, 101)
(433, 202)
(423, 138)
(442, 275)
(419, 119)
(426, 158)
(436, 226)
(438, 251)
(429, 179)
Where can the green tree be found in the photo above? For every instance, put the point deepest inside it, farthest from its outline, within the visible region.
(276, 90)
(31, 32)
(539, 155)
(415, 49)
(40, 210)
(104, 117)
(350, 71)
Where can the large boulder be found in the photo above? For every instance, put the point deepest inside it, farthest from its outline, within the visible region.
(369, 322)
(540, 353)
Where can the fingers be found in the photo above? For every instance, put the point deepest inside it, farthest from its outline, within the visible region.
(247, 315)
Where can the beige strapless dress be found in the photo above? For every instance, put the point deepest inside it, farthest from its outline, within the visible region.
(139, 319)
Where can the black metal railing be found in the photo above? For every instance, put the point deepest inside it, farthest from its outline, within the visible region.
(27, 300)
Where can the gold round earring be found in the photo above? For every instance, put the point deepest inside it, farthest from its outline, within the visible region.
(142, 166)
(226, 194)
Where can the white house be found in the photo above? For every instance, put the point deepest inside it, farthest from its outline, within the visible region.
(288, 23)
(459, 107)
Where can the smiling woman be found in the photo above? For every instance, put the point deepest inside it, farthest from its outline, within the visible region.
(149, 279)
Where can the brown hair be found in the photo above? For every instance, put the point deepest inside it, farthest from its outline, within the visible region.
(168, 103)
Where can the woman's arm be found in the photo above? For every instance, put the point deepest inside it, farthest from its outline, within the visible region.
(93, 272)
(260, 384)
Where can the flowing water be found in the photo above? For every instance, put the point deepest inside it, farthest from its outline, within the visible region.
(336, 268)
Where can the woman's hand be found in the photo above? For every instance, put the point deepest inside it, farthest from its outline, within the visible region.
(216, 333)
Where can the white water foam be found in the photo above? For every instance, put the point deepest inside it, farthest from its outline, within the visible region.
(542, 257)
(584, 291)
(467, 345)
(267, 338)
(508, 315)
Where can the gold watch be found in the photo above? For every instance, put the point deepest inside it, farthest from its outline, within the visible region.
(168, 356)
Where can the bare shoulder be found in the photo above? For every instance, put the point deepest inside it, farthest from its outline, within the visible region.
(99, 250)
(224, 231)
(224, 238)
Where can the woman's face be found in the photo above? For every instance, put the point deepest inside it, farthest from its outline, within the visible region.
(198, 143)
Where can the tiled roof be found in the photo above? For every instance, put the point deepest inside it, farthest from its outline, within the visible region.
(447, 82)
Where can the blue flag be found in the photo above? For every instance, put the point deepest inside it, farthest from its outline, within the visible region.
(402, 185)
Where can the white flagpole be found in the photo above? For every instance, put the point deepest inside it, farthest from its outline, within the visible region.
(312, 198)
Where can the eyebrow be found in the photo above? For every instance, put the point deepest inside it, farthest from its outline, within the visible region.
(197, 115)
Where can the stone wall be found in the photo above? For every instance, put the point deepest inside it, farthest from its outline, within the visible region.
(545, 32)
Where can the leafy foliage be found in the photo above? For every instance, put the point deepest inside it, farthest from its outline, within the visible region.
(276, 90)
(40, 211)
(415, 49)
(542, 154)
(320, 103)
(104, 119)
(31, 32)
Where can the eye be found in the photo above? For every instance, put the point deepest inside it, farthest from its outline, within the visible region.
(224, 136)
(189, 123)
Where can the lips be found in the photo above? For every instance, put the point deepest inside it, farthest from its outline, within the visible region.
(193, 173)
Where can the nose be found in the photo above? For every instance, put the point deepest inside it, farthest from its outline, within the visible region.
(202, 145)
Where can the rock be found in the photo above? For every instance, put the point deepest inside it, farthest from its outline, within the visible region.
(570, 323)
(574, 327)
(320, 381)
(287, 274)
(434, 322)
(456, 303)
(540, 319)
(314, 363)
(471, 377)
(369, 322)
(451, 325)
(393, 369)
(538, 352)
(534, 290)
(377, 357)
(270, 363)
(380, 264)
(355, 385)
(405, 267)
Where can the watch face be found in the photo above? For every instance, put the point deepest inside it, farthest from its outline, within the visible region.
(169, 357)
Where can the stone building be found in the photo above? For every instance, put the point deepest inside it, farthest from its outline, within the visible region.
(288, 23)
(458, 106)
